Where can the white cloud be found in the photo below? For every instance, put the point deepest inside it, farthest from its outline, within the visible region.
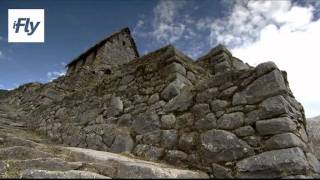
(55, 74)
(285, 32)
(169, 24)
(166, 27)
(279, 31)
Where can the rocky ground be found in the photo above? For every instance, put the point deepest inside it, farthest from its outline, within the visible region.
(313, 127)
(24, 154)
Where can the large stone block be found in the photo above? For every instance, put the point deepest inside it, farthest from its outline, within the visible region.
(218, 105)
(282, 141)
(169, 138)
(231, 121)
(273, 107)
(268, 85)
(172, 90)
(122, 143)
(188, 141)
(207, 123)
(273, 164)
(168, 121)
(181, 102)
(148, 152)
(223, 146)
(200, 110)
(207, 95)
(275, 126)
(146, 122)
(175, 67)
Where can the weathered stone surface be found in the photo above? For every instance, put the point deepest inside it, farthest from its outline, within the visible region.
(221, 172)
(191, 76)
(209, 122)
(273, 164)
(228, 92)
(122, 143)
(172, 90)
(51, 164)
(313, 129)
(223, 146)
(116, 105)
(169, 138)
(73, 174)
(244, 131)
(253, 141)
(124, 120)
(146, 122)
(185, 120)
(252, 117)
(153, 99)
(168, 121)
(314, 162)
(265, 67)
(181, 102)
(273, 107)
(222, 67)
(9, 141)
(266, 86)
(149, 152)
(133, 168)
(188, 141)
(282, 141)
(176, 157)
(206, 95)
(176, 67)
(218, 105)
(275, 126)
(151, 138)
(238, 64)
(200, 110)
(21, 153)
(231, 121)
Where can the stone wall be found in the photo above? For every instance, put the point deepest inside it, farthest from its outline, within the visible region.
(216, 114)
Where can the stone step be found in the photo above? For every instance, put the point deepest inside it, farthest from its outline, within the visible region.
(73, 174)
(13, 168)
(127, 167)
(22, 153)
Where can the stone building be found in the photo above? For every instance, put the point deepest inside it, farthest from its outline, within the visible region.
(117, 49)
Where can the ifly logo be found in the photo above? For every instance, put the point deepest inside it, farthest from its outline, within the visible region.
(29, 26)
(25, 25)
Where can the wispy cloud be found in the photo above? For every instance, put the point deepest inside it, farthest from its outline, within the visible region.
(55, 74)
(281, 31)
(286, 32)
(170, 25)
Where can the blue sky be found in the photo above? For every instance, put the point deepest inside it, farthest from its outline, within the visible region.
(286, 32)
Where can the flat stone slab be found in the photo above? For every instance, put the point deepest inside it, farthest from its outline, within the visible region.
(132, 168)
(73, 174)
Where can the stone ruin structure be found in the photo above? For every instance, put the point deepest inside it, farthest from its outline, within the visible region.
(115, 50)
(215, 114)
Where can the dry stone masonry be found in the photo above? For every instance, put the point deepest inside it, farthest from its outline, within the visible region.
(215, 114)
